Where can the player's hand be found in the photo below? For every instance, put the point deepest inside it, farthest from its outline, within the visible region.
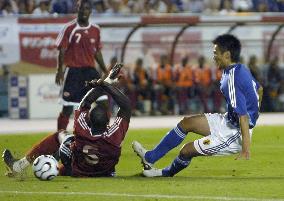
(95, 82)
(243, 155)
(59, 77)
(114, 75)
(114, 72)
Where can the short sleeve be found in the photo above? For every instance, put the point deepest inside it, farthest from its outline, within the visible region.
(62, 39)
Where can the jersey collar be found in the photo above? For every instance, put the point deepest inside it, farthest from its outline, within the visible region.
(231, 66)
(80, 27)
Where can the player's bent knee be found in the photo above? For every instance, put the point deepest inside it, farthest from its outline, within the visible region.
(185, 151)
(61, 135)
(188, 151)
(186, 124)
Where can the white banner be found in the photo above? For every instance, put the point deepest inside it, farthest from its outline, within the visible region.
(43, 96)
(9, 41)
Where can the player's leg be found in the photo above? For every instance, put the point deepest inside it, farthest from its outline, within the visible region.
(68, 89)
(49, 145)
(65, 155)
(182, 161)
(195, 123)
(63, 118)
(224, 139)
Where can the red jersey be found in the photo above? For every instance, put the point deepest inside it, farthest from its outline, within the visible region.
(96, 155)
(80, 44)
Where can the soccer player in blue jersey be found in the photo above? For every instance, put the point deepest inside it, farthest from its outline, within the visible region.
(223, 134)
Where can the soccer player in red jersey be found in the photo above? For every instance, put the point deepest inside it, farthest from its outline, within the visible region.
(78, 44)
(95, 147)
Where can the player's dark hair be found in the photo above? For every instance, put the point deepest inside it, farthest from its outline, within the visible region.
(228, 42)
(86, 1)
(99, 117)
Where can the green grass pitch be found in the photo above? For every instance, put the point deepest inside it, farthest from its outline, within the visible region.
(208, 178)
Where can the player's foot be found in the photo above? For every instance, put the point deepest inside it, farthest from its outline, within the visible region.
(9, 161)
(141, 151)
(153, 172)
(115, 71)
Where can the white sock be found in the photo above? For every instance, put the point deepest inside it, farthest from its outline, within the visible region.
(107, 80)
(20, 165)
(111, 81)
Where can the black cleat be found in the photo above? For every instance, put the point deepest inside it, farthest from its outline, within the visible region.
(9, 160)
(115, 71)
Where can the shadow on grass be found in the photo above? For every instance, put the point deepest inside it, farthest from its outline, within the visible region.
(140, 177)
(189, 178)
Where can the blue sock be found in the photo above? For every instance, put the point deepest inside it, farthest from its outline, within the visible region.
(177, 165)
(173, 138)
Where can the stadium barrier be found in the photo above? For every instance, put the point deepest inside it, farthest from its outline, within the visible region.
(33, 96)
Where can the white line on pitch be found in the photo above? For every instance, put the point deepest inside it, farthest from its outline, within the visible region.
(145, 196)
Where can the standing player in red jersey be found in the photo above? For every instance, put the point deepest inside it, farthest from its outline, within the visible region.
(95, 147)
(78, 44)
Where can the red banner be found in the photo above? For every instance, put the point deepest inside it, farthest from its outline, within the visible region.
(38, 49)
(37, 40)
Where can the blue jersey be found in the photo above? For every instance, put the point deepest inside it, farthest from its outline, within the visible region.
(240, 91)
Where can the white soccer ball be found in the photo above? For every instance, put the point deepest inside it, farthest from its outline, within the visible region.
(45, 167)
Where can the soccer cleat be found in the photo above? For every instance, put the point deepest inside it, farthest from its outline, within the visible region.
(115, 71)
(153, 172)
(9, 161)
(140, 151)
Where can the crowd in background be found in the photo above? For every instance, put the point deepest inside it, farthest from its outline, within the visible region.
(165, 89)
(117, 7)
(186, 88)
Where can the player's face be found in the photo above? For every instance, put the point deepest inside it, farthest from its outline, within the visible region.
(218, 57)
(84, 12)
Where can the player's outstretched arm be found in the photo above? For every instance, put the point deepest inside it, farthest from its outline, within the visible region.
(122, 100)
(244, 125)
(100, 61)
(91, 97)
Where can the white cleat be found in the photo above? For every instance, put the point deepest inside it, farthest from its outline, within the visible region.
(153, 172)
(141, 151)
